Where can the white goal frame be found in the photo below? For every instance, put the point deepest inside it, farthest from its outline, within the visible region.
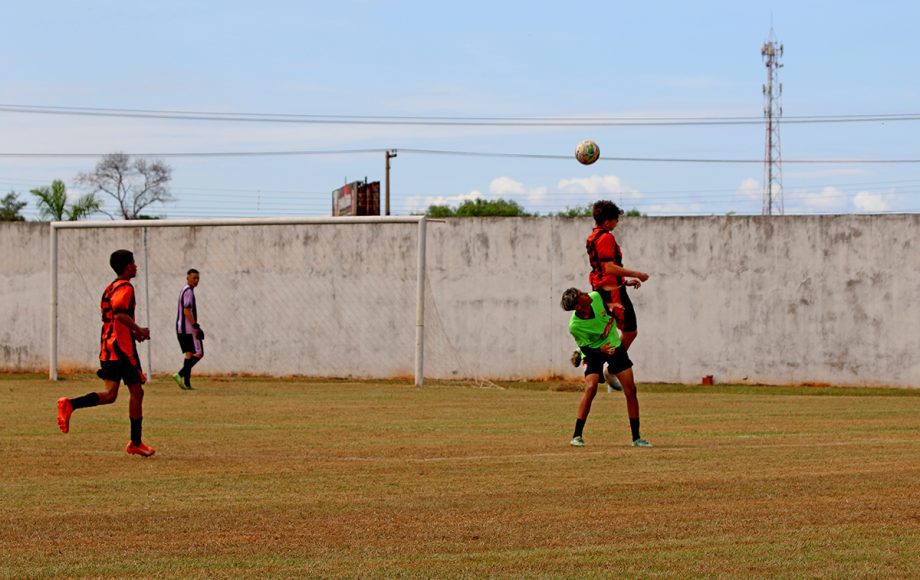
(421, 221)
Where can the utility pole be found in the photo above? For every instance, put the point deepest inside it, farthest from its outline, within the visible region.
(772, 110)
(388, 154)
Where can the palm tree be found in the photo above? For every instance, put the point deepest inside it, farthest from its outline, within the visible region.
(52, 203)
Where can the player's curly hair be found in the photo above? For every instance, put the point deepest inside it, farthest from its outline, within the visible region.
(120, 259)
(605, 210)
(569, 298)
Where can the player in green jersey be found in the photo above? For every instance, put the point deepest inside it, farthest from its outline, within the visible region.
(595, 334)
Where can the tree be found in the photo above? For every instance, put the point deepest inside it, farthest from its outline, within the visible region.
(573, 212)
(479, 208)
(440, 211)
(588, 211)
(134, 184)
(52, 203)
(9, 208)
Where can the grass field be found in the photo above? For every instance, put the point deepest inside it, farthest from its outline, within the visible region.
(258, 477)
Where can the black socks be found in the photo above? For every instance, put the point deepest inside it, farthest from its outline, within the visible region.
(186, 371)
(634, 427)
(136, 430)
(87, 400)
(579, 427)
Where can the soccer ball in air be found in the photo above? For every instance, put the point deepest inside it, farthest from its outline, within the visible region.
(587, 152)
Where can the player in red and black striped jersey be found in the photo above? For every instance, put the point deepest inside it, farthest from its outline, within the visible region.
(608, 276)
(118, 358)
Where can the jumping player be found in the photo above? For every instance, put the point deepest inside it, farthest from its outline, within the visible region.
(592, 328)
(118, 358)
(188, 330)
(609, 277)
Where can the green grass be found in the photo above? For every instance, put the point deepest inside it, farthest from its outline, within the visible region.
(257, 477)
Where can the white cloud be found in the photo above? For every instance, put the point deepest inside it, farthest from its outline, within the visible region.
(576, 192)
(870, 202)
(827, 199)
(749, 189)
(597, 185)
(505, 186)
(452, 200)
(674, 209)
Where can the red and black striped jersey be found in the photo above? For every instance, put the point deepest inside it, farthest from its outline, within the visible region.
(602, 247)
(117, 340)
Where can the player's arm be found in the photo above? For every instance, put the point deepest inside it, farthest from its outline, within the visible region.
(195, 326)
(614, 270)
(187, 312)
(120, 302)
(604, 349)
(607, 328)
(139, 332)
(583, 339)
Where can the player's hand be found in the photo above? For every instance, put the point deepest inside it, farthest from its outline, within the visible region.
(632, 282)
(607, 348)
(142, 334)
(199, 334)
(642, 276)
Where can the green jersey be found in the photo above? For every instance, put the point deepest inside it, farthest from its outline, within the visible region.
(590, 331)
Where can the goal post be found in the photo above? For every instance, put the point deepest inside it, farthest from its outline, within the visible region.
(287, 296)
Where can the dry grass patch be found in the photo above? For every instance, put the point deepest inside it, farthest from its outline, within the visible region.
(292, 478)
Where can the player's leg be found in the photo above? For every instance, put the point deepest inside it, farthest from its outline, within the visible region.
(188, 348)
(592, 377)
(620, 365)
(193, 358)
(630, 327)
(67, 406)
(136, 445)
(628, 381)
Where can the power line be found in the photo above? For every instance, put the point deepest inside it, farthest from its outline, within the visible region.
(487, 121)
(608, 159)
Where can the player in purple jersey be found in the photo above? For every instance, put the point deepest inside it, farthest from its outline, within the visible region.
(191, 337)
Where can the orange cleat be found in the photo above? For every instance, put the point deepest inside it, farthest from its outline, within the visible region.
(141, 449)
(65, 410)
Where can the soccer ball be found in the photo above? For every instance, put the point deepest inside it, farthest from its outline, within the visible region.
(587, 152)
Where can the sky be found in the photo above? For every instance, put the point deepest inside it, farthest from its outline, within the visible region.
(478, 99)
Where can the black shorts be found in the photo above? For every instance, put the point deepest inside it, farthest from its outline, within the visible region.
(616, 363)
(629, 312)
(121, 370)
(188, 343)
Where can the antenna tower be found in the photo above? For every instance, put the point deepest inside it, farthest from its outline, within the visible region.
(772, 110)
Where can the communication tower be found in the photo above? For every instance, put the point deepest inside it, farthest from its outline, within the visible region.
(772, 110)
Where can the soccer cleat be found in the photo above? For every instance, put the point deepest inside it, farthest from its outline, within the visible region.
(179, 381)
(141, 449)
(577, 441)
(65, 410)
(612, 383)
(640, 442)
(576, 359)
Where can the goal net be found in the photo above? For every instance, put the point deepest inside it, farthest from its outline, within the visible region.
(318, 297)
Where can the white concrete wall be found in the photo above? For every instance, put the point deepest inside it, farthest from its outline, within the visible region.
(24, 296)
(824, 299)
